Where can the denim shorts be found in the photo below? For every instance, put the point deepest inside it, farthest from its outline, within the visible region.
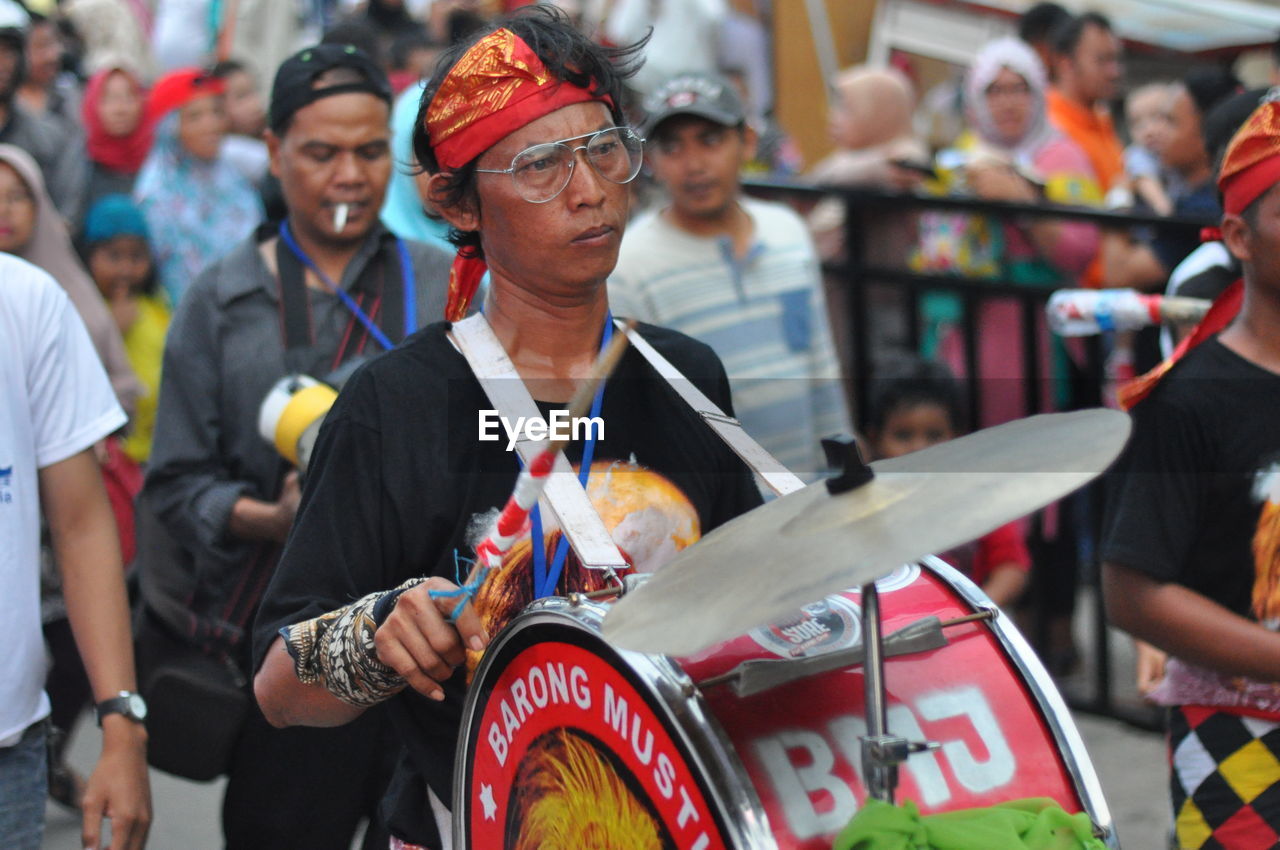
(23, 786)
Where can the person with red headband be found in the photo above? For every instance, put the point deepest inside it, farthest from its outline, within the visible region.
(1192, 546)
(522, 133)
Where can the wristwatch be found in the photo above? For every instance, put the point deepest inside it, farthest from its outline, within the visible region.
(128, 703)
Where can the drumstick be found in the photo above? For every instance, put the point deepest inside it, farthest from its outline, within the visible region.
(533, 478)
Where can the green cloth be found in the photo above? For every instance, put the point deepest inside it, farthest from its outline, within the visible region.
(1037, 823)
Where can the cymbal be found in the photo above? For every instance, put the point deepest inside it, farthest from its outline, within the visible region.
(798, 548)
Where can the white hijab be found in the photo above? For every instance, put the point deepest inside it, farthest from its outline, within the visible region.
(1017, 57)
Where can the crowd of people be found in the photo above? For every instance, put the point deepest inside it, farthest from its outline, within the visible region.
(206, 198)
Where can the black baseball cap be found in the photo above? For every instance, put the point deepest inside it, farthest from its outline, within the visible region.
(706, 95)
(294, 83)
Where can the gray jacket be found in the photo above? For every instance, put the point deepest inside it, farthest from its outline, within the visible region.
(224, 351)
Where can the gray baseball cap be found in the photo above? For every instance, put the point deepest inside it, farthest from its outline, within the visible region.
(706, 95)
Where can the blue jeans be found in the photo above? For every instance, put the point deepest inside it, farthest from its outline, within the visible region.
(23, 786)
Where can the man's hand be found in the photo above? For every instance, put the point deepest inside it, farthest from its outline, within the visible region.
(418, 641)
(287, 504)
(1189, 625)
(84, 537)
(254, 519)
(118, 788)
(1150, 667)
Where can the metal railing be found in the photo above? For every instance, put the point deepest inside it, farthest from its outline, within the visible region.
(858, 276)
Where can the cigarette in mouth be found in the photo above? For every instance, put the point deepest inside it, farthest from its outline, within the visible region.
(340, 217)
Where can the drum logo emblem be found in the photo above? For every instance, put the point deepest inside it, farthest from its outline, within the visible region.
(824, 626)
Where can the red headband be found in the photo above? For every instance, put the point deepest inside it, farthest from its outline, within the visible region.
(1251, 164)
(497, 87)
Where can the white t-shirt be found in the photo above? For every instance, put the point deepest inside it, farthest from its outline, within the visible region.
(55, 401)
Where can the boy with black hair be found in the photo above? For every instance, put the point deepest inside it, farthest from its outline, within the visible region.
(916, 404)
(737, 273)
(1036, 26)
(1191, 555)
(1184, 154)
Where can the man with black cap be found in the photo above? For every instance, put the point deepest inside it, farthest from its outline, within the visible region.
(322, 289)
(739, 274)
(59, 152)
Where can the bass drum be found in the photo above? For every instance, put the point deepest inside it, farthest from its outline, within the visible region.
(569, 742)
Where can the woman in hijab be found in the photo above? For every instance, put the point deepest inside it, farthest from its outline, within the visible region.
(197, 205)
(403, 210)
(1009, 153)
(116, 137)
(31, 228)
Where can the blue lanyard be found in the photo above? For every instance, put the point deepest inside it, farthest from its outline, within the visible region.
(406, 279)
(544, 582)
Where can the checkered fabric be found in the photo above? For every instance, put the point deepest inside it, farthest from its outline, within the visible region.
(1224, 780)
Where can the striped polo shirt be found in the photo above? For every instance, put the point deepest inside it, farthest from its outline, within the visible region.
(764, 314)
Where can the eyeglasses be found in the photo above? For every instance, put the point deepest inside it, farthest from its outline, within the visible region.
(541, 172)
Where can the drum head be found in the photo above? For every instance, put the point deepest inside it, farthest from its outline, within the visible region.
(568, 742)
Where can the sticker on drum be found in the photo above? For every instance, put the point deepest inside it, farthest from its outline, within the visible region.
(565, 748)
(831, 624)
(825, 626)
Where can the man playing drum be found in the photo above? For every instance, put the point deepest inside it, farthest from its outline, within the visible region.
(1193, 546)
(522, 133)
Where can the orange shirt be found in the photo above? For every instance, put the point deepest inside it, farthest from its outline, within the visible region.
(1093, 132)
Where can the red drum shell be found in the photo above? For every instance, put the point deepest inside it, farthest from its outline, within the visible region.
(780, 769)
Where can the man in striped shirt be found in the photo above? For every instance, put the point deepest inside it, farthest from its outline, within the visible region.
(737, 273)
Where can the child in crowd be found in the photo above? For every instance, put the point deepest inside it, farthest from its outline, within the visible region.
(916, 404)
(117, 251)
(1146, 113)
(870, 123)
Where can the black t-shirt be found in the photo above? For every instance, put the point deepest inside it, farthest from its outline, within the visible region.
(1189, 500)
(400, 483)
